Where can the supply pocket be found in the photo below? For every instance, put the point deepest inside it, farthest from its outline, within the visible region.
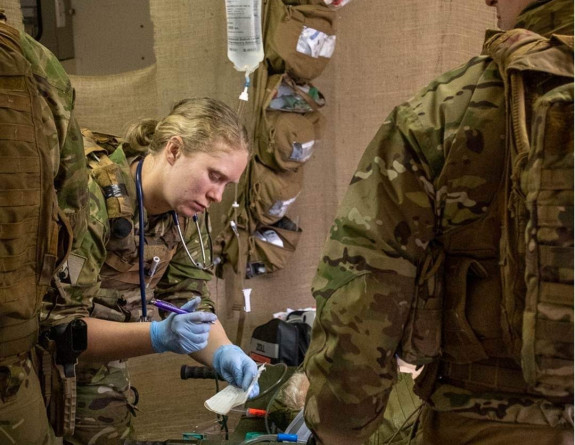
(271, 193)
(287, 140)
(301, 39)
(472, 310)
(283, 94)
(421, 341)
(270, 247)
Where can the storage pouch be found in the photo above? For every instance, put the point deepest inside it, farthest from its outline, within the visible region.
(300, 40)
(287, 140)
(271, 246)
(271, 193)
(283, 94)
(421, 342)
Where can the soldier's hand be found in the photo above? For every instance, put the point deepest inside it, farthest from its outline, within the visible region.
(182, 333)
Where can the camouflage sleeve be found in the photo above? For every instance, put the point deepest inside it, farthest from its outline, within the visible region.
(365, 281)
(63, 133)
(79, 282)
(182, 280)
(72, 180)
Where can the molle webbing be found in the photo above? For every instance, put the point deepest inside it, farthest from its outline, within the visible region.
(538, 76)
(17, 336)
(28, 209)
(485, 376)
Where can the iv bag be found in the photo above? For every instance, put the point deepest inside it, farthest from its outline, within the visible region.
(245, 48)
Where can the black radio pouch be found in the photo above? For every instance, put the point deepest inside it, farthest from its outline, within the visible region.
(279, 341)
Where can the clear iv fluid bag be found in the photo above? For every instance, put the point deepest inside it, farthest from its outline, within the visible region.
(245, 48)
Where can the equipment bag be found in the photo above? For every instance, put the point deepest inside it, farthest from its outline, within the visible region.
(29, 214)
(299, 40)
(279, 341)
(537, 240)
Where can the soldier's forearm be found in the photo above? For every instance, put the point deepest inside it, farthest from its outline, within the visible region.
(217, 338)
(110, 340)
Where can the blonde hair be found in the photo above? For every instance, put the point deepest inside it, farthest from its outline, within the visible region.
(200, 122)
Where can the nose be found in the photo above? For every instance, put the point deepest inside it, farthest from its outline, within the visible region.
(216, 193)
(490, 2)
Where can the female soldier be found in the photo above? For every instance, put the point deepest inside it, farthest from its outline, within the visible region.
(185, 162)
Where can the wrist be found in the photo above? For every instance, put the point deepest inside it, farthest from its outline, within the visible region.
(221, 350)
(155, 336)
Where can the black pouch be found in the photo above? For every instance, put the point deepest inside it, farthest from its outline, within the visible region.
(279, 341)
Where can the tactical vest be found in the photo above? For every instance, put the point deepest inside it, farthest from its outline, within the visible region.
(30, 220)
(507, 278)
(119, 296)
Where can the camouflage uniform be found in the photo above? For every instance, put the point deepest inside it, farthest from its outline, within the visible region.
(103, 277)
(433, 167)
(23, 417)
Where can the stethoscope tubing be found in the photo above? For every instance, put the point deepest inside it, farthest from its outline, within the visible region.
(140, 196)
(141, 271)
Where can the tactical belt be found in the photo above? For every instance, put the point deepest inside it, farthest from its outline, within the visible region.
(17, 336)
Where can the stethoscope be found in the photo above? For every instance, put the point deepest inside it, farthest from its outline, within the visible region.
(142, 275)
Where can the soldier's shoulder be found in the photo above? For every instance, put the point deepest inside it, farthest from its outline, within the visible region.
(98, 210)
(478, 72)
(44, 63)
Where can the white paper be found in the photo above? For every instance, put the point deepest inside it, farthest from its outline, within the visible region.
(231, 396)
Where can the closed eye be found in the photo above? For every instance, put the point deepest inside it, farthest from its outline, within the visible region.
(216, 176)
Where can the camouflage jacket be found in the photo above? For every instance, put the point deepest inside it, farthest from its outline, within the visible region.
(102, 276)
(429, 168)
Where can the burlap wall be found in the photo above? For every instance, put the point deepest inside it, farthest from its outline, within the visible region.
(13, 13)
(110, 103)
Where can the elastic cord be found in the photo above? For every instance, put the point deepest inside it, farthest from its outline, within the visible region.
(140, 195)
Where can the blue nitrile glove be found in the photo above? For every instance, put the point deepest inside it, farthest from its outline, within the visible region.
(182, 333)
(236, 368)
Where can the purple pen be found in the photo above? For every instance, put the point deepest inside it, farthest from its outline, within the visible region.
(164, 305)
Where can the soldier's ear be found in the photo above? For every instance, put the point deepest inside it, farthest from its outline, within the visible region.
(173, 149)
